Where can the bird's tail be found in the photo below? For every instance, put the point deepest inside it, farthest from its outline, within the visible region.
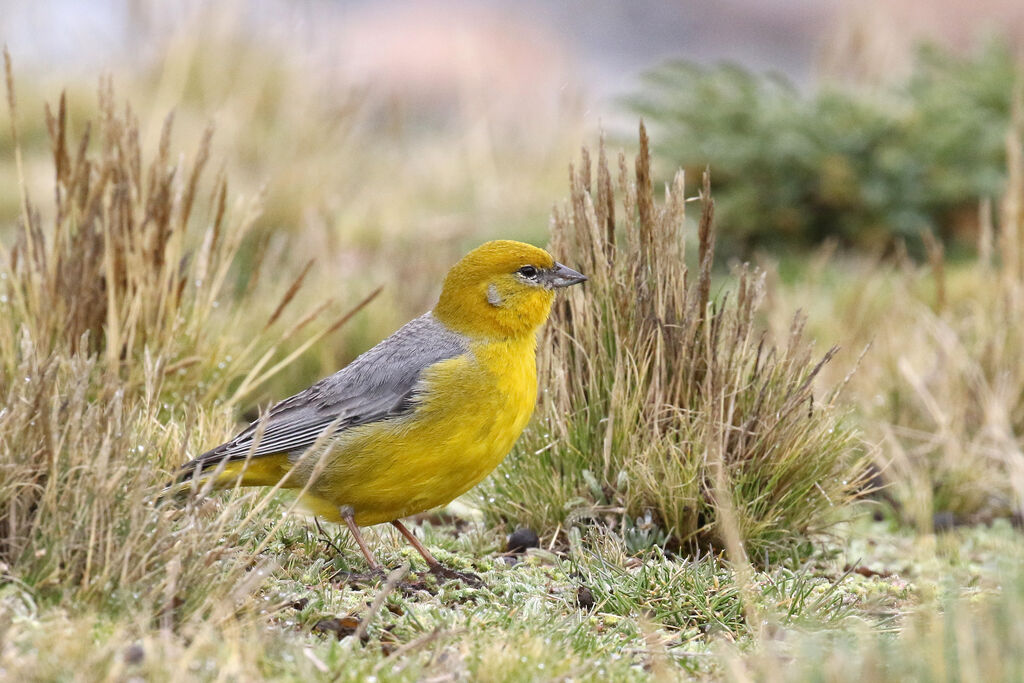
(224, 473)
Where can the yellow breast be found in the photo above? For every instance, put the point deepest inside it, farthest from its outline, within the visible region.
(473, 409)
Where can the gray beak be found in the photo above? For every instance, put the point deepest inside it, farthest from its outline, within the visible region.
(562, 276)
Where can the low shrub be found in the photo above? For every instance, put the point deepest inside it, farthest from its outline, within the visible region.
(868, 169)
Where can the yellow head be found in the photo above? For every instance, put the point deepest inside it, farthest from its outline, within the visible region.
(502, 289)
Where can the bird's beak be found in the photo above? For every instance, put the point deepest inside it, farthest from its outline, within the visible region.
(563, 276)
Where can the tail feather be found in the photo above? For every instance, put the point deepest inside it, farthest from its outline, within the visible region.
(264, 470)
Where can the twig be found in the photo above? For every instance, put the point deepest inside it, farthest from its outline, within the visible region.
(317, 662)
(419, 642)
(394, 578)
(327, 539)
(678, 654)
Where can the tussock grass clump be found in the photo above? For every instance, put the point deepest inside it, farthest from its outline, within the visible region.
(79, 460)
(111, 344)
(664, 405)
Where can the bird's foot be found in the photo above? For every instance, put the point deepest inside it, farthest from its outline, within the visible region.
(445, 574)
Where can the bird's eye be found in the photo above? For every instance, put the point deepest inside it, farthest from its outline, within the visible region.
(528, 271)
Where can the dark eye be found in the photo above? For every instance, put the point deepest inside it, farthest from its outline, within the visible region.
(528, 271)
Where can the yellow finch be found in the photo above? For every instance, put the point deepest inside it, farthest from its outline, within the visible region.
(418, 419)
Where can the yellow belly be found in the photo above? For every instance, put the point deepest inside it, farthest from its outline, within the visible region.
(469, 419)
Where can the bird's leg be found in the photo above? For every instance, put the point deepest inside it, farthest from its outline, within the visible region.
(347, 514)
(436, 567)
(420, 548)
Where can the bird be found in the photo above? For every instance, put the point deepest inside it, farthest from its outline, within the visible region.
(418, 419)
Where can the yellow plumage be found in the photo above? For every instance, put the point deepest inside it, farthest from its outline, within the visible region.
(472, 417)
(424, 416)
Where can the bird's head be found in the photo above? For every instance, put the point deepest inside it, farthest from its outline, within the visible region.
(502, 289)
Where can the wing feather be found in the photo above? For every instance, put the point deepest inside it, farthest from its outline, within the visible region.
(381, 384)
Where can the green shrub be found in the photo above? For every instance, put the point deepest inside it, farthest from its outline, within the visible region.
(792, 169)
(663, 405)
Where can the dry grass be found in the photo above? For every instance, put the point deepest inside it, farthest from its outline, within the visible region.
(957, 417)
(664, 407)
(110, 337)
(941, 383)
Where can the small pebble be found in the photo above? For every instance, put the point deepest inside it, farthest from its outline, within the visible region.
(521, 539)
(943, 521)
(585, 598)
(134, 654)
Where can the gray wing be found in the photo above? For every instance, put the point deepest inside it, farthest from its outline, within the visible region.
(380, 384)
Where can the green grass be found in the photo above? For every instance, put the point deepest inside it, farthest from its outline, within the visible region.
(651, 613)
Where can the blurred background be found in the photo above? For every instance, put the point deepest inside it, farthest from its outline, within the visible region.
(386, 138)
(453, 121)
(472, 107)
